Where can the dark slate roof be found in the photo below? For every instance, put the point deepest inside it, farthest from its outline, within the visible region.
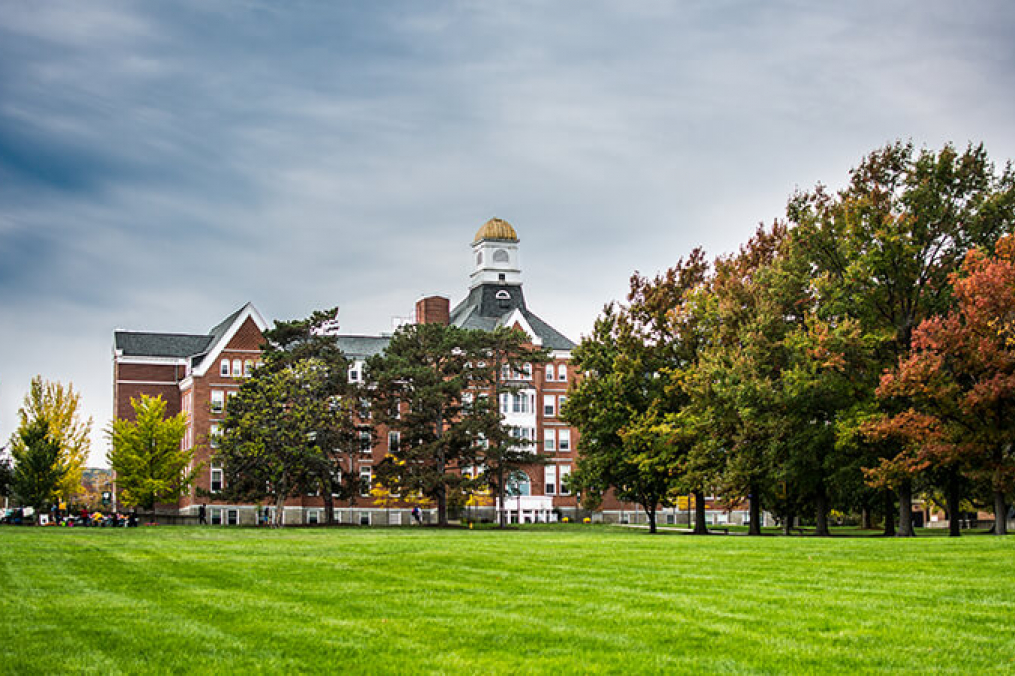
(361, 347)
(482, 309)
(175, 345)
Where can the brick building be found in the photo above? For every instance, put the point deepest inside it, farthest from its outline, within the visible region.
(197, 373)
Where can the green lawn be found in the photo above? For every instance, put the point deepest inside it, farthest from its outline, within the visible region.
(536, 600)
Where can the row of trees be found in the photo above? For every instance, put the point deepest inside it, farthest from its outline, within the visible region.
(300, 426)
(853, 354)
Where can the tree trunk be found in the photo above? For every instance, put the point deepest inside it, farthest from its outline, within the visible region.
(1000, 513)
(754, 507)
(889, 508)
(787, 522)
(906, 510)
(953, 498)
(821, 513)
(650, 512)
(700, 525)
(279, 509)
(866, 520)
(329, 504)
(501, 494)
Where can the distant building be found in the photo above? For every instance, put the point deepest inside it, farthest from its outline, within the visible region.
(197, 373)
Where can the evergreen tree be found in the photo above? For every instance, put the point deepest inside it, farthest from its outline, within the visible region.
(37, 470)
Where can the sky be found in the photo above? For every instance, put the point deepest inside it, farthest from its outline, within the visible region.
(161, 164)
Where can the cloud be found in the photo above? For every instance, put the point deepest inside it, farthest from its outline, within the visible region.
(160, 165)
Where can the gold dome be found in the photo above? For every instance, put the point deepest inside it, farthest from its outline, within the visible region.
(496, 228)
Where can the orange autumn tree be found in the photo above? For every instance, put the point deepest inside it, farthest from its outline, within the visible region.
(959, 380)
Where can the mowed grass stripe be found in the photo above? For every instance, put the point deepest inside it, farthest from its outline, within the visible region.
(578, 599)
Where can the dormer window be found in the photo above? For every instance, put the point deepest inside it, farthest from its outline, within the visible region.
(503, 295)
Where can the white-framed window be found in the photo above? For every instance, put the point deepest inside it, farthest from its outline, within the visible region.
(224, 368)
(232, 517)
(313, 517)
(561, 400)
(215, 485)
(214, 432)
(564, 440)
(354, 373)
(527, 371)
(550, 480)
(549, 439)
(549, 373)
(216, 516)
(565, 472)
(549, 405)
(365, 442)
(218, 401)
(505, 403)
(394, 441)
(248, 368)
(562, 372)
(365, 477)
(364, 518)
(396, 409)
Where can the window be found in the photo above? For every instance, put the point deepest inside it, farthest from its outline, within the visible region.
(500, 256)
(248, 368)
(364, 518)
(365, 442)
(561, 400)
(237, 368)
(549, 405)
(565, 475)
(313, 517)
(505, 403)
(548, 440)
(394, 439)
(354, 373)
(365, 476)
(562, 372)
(232, 517)
(396, 409)
(518, 484)
(549, 372)
(218, 401)
(364, 408)
(216, 516)
(564, 441)
(216, 479)
(550, 479)
(224, 368)
(527, 371)
(214, 432)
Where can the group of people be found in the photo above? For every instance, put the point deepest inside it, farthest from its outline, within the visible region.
(69, 518)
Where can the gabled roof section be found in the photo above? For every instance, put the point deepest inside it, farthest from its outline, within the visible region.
(491, 305)
(165, 345)
(221, 334)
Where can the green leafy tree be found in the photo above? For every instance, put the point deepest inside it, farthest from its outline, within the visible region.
(427, 374)
(37, 470)
(882, 249)
(146, 455)
(615, 407)
(58, 406)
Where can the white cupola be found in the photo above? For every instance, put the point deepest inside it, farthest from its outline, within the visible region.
(495, 255)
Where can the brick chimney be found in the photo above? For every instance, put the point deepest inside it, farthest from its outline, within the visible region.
(433, 310)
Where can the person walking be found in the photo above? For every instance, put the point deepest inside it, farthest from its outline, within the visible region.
(201, 514)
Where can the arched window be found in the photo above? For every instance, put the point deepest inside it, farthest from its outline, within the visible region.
(503, 295)
(518, 484)
(500, 256)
